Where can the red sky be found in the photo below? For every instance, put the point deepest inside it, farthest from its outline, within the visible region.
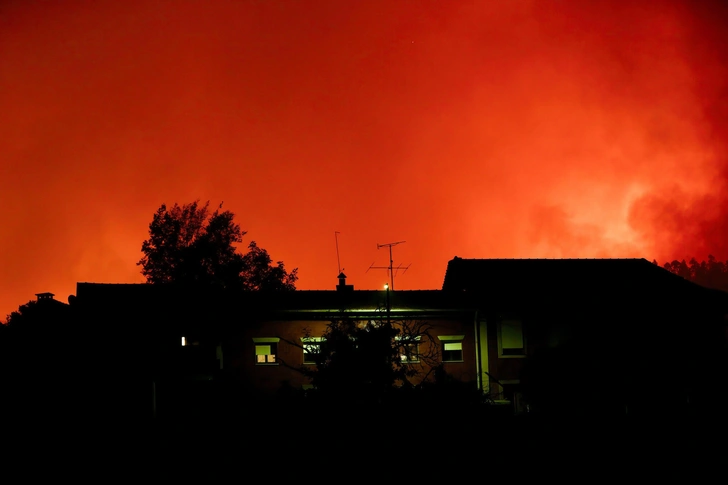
(478, 129)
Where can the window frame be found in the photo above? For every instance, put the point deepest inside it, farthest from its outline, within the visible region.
(272, 342)
(311, 342)
(511, 352)
(403, 343)
(446, 340)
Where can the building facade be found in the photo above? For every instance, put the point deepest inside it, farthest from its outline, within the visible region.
(571, 335)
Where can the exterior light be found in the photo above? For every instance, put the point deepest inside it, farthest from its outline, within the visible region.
(386, 286)
(184, 341)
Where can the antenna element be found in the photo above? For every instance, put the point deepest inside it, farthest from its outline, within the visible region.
(391, 268)
(338, 261)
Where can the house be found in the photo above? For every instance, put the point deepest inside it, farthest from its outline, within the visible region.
(268, 351)
(615, 335)
(256, 343)
(34, 361)
(568, 335)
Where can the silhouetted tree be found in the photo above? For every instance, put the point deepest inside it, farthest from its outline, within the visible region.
(37, 315)
(375, 361)
(357, 360)
(24, 313)
(711, 273)
(260, 274)
(40, 347)
(188, 244)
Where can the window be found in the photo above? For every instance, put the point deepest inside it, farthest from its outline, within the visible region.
(510, 339)
(452, 351)
(266, 353)
(409, 349)
(311, 349)
(452, 347)
(266, 350)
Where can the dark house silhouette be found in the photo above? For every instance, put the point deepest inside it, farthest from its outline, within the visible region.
(35, 363)
(174, 340)
(599, 334)
(569, 336)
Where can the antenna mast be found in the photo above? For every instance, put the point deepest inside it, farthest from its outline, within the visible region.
(391, 268)
(338, 261)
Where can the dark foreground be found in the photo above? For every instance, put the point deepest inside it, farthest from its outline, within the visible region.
(270, 444)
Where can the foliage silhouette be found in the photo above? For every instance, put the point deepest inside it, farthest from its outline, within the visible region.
(357, 361)
(24, 313)
(40, 347)
(711, 273)
(189, 244)
(381, 362)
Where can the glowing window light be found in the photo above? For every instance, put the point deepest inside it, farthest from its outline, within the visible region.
(266, 350)
(184, 341)
(265, 354)
(452, 352)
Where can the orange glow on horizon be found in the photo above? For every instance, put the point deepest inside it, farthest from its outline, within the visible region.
(489, 129)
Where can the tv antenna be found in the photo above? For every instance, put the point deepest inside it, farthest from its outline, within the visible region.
(338, 261)
(391, 268)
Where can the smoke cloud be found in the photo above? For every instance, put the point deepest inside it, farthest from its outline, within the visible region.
(478, 129)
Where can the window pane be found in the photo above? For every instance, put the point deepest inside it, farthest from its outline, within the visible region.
(410, 353)
(511, 334)
(453, 345)
(452, 356)
(265, 354)
(311, 353)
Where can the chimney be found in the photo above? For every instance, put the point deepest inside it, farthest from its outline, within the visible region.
(342, 286)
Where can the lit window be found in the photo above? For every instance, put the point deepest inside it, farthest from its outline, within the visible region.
(510, 339)
(409, 349)
(266, 350)
(452, 351)
(266, 354)
(184, 341)
(452, 347)
(311, 349)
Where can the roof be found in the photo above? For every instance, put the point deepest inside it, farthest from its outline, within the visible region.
(472, 274)
(485, 284)
(544, 279)
(309, 301)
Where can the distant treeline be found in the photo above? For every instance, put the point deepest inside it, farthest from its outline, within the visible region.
(711, 273)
